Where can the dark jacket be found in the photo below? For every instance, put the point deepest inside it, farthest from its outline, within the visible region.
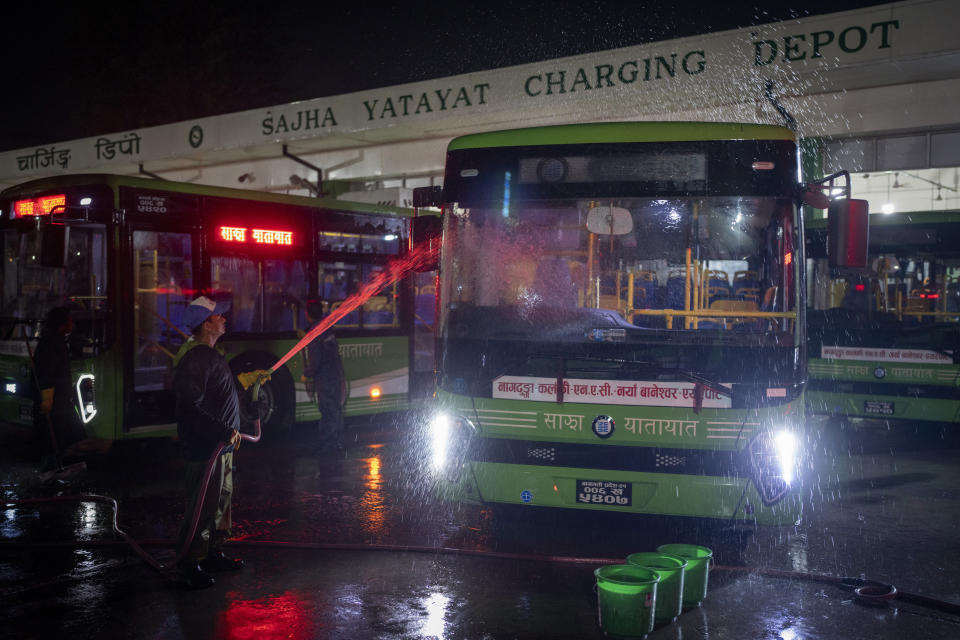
(52, 363)
(325, 366)
(208, 407)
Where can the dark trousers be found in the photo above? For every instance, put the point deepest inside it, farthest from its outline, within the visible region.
(332, 430)
(67, 430)
(213, 527)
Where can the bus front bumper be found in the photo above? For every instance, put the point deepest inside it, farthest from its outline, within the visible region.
(619, 491)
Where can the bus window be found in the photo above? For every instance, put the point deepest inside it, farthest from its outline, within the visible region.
(362, 234)
(163, 285)
(30, 289)
(286, 289)
(265, 295)
(338, 281)
(380, 311)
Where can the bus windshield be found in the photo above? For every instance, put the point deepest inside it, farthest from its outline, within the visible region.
(682, 267)
(31, 289)
(907, 302)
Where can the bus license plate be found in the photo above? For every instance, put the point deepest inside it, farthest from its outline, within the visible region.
(877, 407)
(616, 494)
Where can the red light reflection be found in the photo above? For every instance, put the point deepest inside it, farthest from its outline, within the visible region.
(283, 616)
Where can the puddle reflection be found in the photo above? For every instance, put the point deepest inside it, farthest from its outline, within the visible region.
(436, 607)
(373, 501)
(283, 616)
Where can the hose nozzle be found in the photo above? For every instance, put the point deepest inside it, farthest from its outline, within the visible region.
(250, 378)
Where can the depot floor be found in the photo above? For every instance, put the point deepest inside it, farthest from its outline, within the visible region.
(305, 585)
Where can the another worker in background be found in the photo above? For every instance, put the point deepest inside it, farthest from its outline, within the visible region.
(208, 416)
(59, 426)
(324, 373)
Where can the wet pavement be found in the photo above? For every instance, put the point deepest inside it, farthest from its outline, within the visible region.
(356, 548)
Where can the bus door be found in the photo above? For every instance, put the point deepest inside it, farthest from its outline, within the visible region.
(161, 284)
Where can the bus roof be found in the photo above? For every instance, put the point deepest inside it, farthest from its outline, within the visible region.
(116, 181)
(607, 132)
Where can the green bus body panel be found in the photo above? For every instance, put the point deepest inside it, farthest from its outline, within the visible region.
(641, 426)
(616, 132)
(653, 493)
(905, 407)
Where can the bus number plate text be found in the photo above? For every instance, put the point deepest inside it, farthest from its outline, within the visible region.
(877, 407)
(615, 494)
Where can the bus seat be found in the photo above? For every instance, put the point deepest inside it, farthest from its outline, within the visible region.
(640, 298)
(610, 302)
(645, 290)
(718, 292)
(649, 276)
(748, 293)
(742, 279)
(718, 278)
(675, 288)
(732, 322)
(375, 303)
(428, 290)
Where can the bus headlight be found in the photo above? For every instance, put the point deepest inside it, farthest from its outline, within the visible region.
(450, 438)
(786, 445)
(774, 461)
(86, 398)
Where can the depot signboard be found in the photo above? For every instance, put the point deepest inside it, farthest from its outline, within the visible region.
(813, 55)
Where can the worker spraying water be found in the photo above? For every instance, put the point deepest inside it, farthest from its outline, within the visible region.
(208, 420)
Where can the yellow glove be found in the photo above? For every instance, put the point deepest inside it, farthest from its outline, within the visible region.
(248, 379)
(46, 401)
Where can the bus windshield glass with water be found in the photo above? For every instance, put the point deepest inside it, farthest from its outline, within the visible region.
(621, 320)
(127, 255)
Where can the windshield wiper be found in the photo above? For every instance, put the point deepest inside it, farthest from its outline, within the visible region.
(705, 382)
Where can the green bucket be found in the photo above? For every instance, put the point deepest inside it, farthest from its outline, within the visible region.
(697, 572)
(627, 598)
(670, 588)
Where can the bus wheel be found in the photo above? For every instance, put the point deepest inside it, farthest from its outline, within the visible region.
(277, 398)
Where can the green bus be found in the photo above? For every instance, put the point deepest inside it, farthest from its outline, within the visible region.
(621, 319)
(884, 342)
(127, 254)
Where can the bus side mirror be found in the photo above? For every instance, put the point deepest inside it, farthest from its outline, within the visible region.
(53, 245)
(425, 234)
(427, 197)
(848, 233)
